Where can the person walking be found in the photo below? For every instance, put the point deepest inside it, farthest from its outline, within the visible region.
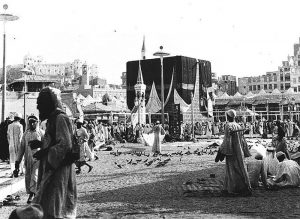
(83, 138)
(14, 136)
(56, 187)
(27, 149)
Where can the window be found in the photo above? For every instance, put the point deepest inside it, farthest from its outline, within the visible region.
(287, 86)
(298, 87)
(258, 79)
(265, 86)
(275, 86)
(270, 86)
(250, 88)
(281, 87)
(258, 87)
(270, 78)
(287, 77)
(298, 79)
(281, 77)
(294, 80)
(295, 89)
(254, 87)
(275, 78)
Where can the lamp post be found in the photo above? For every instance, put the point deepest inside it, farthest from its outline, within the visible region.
(26, 72)
(5, 17)
(267, 108)
(192, 112)
(161, 55)
(244, 110)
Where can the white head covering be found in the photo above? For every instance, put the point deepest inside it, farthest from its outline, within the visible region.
(32, 211)
(19, 115)
(231, 113)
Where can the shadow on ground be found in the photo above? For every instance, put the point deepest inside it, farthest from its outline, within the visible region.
(166, 196)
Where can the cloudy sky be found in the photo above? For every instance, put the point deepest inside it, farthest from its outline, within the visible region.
(239, 37)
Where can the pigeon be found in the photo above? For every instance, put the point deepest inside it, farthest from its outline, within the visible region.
(188, 153)
(118, 165)
(149, 163)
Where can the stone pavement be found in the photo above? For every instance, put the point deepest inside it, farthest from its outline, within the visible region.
(9, 186)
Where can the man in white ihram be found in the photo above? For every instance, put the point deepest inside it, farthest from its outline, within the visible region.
(14, 137)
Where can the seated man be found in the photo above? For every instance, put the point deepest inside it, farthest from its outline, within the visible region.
(255, 169)
(270, 162)
(288, 173)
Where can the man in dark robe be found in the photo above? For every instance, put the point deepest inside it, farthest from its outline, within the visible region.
(4, 151)
(56, 187)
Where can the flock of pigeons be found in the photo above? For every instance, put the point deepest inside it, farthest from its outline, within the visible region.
(161, 159)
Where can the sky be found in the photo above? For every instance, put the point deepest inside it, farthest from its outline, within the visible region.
(239, 37)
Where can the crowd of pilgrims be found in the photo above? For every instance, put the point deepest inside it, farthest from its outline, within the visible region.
(15, 136)
(271, 166)
(258, 127)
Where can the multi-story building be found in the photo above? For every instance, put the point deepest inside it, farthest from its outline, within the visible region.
(70, 70)
(268, 82)
(227, 83)
(68, 73)
(287, 76)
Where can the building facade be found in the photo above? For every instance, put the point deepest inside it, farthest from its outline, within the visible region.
(227, 83)
(287, 76)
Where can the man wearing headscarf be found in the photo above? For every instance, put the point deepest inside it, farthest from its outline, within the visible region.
(236, 177)
(270, 161)
(288, 173)
(28, 147)
(279, 142)
(14, 136)
(83, 137)
(255, 169)
(56, 189)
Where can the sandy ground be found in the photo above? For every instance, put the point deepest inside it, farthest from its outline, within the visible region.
(124, 186)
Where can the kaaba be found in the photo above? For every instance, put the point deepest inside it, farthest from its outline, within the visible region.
(184, 69)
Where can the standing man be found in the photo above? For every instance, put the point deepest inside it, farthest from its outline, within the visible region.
(158, 131)
(14, 136)
(27, 149)
(83, 138)
(236, 177)
(290, 128)
(4, 146)
(56, 189)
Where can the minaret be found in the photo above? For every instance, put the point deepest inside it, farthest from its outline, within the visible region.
(143, 49)
(140, 89)
(85, 77)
